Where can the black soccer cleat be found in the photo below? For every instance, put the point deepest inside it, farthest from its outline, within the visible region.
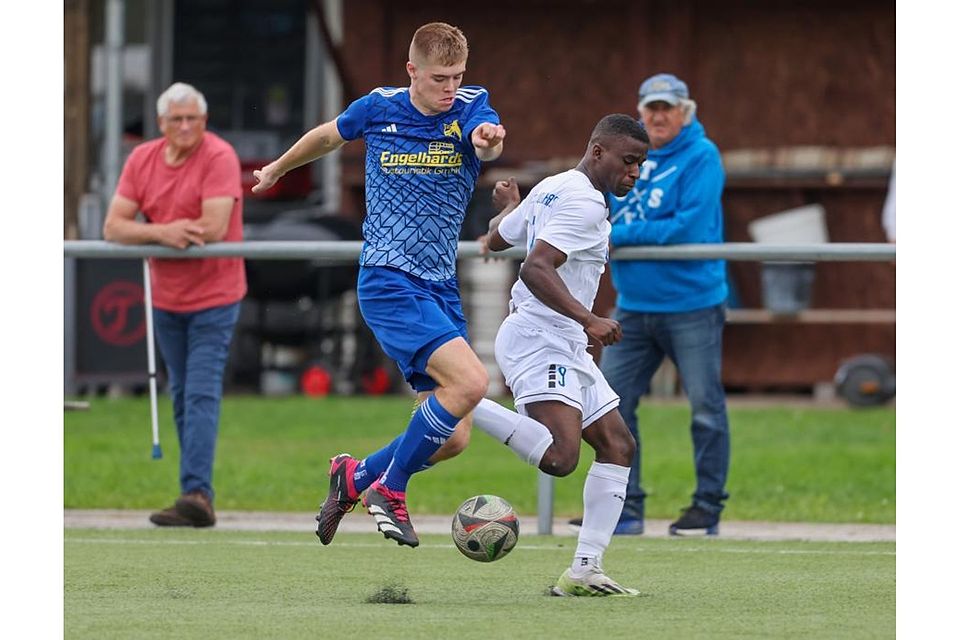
(341, 500)
(389, 509)
(696, 520)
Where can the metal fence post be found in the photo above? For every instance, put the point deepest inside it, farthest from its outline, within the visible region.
(544, 503)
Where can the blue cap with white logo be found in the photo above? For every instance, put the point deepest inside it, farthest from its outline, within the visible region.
(663, 87)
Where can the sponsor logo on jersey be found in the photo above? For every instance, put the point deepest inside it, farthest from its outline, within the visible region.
(440, 157)
(440, 147)
(546, 199)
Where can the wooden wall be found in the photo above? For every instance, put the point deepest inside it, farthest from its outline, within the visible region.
(765, 74)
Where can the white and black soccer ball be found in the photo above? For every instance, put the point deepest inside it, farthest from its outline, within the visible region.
(485, 528)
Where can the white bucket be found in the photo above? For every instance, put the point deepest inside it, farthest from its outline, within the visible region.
(803, 225)
(788, 286)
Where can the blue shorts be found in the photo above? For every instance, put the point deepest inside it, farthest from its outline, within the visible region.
(410, 317)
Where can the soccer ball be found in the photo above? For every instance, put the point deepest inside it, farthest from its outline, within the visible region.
(485, 528)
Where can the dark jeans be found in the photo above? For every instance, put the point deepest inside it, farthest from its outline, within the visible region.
(194, 346)
(693, 341)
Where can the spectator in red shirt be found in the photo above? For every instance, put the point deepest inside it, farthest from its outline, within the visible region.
(187, 187)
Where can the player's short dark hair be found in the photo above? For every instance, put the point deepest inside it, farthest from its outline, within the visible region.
(618, 124)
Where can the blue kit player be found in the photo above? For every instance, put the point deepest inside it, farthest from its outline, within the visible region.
(424, 145)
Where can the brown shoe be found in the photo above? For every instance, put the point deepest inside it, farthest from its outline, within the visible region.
(169, 518)
(195, 507)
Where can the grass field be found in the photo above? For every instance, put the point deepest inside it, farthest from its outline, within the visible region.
(216, 584)
(801, 465)
(817, 465)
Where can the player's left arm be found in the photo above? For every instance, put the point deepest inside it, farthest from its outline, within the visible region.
(487, 139)
(539, 273)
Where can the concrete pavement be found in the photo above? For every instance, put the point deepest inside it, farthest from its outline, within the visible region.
(360, 522)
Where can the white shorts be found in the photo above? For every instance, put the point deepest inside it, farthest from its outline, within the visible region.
(541, 365)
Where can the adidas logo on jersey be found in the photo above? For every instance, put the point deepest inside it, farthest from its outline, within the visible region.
(389, 129)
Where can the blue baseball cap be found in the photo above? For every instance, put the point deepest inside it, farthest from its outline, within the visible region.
(663, 87)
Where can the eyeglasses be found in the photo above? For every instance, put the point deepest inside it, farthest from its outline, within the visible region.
(178, 120)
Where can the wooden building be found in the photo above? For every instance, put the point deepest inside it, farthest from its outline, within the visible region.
(799, 95)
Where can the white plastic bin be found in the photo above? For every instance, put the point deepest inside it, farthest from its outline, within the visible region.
(803, 225)
(788, 286)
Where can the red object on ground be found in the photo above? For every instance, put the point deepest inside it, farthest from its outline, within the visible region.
(376, 382)
(315, 381)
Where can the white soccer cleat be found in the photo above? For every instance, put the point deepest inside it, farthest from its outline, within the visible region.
(594, 583)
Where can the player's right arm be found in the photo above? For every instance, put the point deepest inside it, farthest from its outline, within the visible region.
(314, 144)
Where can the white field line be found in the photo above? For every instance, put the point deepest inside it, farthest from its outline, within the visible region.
(362, 545)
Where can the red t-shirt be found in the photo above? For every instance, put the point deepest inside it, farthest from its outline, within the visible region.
(164, 193)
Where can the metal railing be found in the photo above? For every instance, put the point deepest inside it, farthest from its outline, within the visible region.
(343, 250)
(339, 252)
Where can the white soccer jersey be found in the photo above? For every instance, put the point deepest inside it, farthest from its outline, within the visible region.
(568, 213)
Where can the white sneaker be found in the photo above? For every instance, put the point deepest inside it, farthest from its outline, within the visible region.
(594, 583)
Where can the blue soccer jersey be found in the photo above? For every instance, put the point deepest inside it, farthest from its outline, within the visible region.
(420, 173)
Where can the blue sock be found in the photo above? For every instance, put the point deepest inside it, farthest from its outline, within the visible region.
(371, 467)
(429, 428)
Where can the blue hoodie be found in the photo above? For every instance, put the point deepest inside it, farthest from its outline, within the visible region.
(676, 200)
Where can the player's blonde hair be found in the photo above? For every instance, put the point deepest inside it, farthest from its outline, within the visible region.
(180, 92)
(438, 43)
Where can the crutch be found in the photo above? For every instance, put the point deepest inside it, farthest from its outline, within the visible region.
(151, 358)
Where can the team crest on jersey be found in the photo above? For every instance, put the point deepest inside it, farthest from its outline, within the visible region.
(452, 130)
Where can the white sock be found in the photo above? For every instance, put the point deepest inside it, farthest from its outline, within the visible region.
(603, 494)
(525, 436)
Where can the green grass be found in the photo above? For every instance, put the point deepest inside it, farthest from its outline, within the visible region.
(816, 465)
(218, 584)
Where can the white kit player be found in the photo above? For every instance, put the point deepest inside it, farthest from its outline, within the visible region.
(541, 347)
